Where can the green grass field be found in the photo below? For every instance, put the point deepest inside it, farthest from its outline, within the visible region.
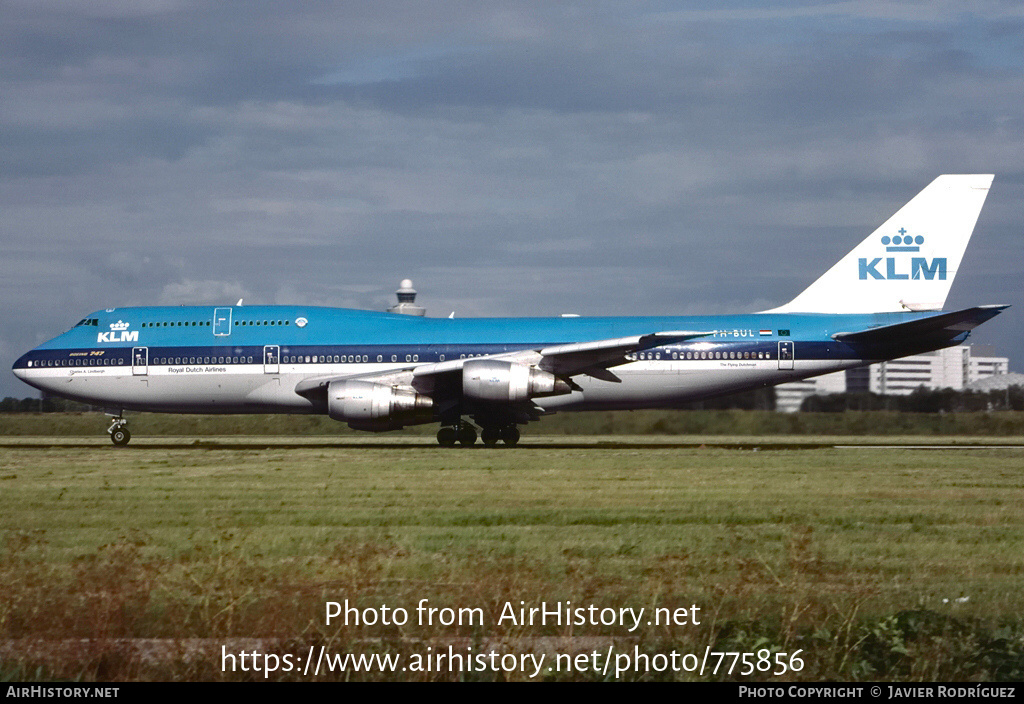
(876, 563)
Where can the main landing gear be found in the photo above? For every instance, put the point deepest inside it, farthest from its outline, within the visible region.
(118, 430)
(465, 434)
(508, 434)
(462, 433)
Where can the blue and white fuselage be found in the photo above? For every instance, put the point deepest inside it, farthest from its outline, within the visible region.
(381, 371)
(175, 359)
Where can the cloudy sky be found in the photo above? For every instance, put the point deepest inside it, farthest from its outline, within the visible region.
(512, 158)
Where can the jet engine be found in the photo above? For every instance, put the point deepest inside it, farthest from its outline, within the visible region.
(364, 403)
(498, 381)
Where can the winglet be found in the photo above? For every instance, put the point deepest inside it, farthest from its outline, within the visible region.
(907, 263)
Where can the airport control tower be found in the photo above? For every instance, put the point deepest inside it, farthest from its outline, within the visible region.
(406, 300)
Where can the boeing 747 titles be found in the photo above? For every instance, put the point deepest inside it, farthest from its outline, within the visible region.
(383, 371)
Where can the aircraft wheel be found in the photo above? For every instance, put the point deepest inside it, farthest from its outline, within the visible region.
(490, 436)
(120, 436)
(467, 435)
(447, 436)
(510, 435)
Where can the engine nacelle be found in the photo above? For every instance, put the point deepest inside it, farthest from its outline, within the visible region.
(367, 403)
(495, 380)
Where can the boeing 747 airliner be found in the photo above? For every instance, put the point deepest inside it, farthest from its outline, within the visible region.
(383, 371)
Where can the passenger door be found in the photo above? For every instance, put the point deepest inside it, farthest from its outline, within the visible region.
(786, 355)
(140, 361)
(271, 359)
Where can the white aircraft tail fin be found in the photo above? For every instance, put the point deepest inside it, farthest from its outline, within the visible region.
(910, 261)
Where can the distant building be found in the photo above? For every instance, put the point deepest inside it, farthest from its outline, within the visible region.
(950, 368)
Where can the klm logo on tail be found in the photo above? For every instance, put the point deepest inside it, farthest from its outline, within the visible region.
(895, 268)
(119, 333)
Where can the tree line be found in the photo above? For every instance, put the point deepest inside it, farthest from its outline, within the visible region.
(47, 404)
(920, 401)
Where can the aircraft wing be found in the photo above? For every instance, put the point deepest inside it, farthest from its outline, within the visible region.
(578, 357)
(593, 357)
(942, 326)
(574, 357)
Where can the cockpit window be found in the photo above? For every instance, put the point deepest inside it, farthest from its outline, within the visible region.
(88, 321)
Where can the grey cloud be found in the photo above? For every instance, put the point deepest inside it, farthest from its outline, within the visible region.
(189, 292)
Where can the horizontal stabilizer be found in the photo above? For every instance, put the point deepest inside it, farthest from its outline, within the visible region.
(942, 326)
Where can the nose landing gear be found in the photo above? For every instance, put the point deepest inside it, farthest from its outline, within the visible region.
(118, 430)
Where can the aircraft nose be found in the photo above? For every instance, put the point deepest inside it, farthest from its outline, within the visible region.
(23, 370)
(20, 367)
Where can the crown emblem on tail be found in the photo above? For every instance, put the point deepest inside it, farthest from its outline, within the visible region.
(903, 242)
